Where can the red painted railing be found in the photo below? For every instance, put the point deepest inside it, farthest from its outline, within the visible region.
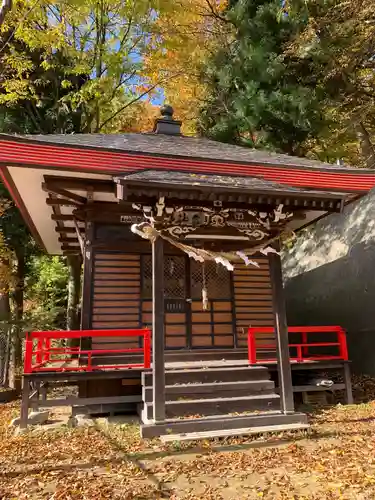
(257, 347)
(43, 355)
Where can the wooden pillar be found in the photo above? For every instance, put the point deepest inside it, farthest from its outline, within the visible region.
(348, 384)
(86, 299)
(88, 271)
(34, 398)
(25, 403)
(158, 341)
(281, 331)
(86, 309)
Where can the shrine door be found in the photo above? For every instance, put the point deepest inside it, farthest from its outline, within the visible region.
(187, 324)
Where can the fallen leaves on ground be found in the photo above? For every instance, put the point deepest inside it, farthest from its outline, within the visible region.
(333, 460)
(67, 463)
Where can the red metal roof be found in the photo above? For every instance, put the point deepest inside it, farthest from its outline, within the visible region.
(29, 153)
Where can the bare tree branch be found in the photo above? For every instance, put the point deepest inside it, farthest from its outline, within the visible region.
(138, 98)
(215, 14)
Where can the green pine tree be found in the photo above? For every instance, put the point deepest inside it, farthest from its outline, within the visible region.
(257, 95)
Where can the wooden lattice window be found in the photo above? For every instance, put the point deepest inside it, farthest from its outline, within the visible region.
(146, 271)
(216, 277)
(174, 277)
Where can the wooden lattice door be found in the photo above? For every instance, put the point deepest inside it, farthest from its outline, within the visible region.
(177, 307)
(214, 327)
(187, 325)
(176, 302)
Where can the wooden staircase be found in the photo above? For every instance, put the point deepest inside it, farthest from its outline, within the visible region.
(224, 400)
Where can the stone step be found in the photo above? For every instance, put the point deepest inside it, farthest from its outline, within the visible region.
(210, 374)
(221, 423)
(193, 436)
(215, 406)
(217, 389)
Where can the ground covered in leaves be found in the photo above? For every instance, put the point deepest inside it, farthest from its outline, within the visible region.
(333, 460)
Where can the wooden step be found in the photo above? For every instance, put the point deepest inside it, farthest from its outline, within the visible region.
(221, 423)
(193, 436)
(217, 389)
(215, 406)
(205, 375)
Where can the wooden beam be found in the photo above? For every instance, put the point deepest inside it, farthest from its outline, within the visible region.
(66, 239)
(70, 246)
(99, 186)
(158, 341)
(56, 210)
(58, 202)
(67, 230)
(63, 192)
(60, 217)
(81, 239)
(281, 331)
(72, 400)
(150, 198)
(332, 201)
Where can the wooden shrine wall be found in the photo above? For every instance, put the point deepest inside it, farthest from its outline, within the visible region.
(116, 296)
(253, 298)
(121, 298)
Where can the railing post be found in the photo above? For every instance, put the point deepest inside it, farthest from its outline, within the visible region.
(28, 354)
(89, 361)
(305, 350)
(299, 354)
(147, 349)
(46, 348)
(251, 346)
(39, 347)
(341, 334)
(47, 355)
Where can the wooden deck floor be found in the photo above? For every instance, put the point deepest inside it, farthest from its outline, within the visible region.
(73, 364)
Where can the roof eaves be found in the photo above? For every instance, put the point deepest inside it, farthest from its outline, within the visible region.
(330, 169)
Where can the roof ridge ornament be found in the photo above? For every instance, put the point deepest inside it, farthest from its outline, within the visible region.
(166, 124)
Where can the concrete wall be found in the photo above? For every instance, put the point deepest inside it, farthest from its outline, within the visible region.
(330, 278)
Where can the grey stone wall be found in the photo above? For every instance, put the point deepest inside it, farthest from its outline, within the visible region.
(330, 278)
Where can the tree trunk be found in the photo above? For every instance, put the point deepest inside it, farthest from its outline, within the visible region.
(5, 319)
(4, 304)
(17, 337)
(366, 146)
